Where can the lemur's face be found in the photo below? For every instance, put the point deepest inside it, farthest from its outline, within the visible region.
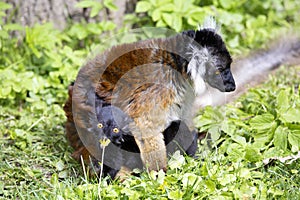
(113, 122)
(216, 60)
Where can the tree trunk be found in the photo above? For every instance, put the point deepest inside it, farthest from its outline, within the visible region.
(60, 12)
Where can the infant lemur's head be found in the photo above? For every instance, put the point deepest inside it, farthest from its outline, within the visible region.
(114, 123)
(209, 59)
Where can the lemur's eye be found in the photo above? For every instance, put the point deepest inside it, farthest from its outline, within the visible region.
(217, 72)
(116, 130)
(100, 125)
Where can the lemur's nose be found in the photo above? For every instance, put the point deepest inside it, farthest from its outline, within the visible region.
(230, 87)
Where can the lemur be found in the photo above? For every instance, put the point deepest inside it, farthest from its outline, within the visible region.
(114, 123)
(155, 82)
(286, 50)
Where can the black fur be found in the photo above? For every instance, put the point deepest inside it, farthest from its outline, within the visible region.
(178, 137)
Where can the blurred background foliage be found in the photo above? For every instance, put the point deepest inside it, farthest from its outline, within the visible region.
(38, 62)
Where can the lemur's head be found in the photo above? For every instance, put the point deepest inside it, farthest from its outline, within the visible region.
(114, 123)
(210, 60)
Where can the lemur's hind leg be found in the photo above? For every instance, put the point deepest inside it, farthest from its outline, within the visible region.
(151, 117)
(152, 146)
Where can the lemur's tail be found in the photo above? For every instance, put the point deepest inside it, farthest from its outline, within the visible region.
(252, 70)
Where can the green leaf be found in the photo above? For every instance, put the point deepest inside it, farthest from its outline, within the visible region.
(5, 91)
(94, 28)
(169, 7)
(79, 31)
(19, 133)
(156, 14)
(17, 87)
(292, 115)
(110, 5)
(280, 137)
(160, 23)
(261, 122)
(225, 3)
(176, 161)
(108, 25)
(161, 176)
(294, 140)
(245, 173)
(173, 20)
(228, 178)
(239, 139)
(5, 6)
(191, 180)
(63, 174)
(252, 154)
(210, 185)
(282, 101)
(13, 27)
(4, 35)
(228, 127)
(95, 10)
(86, 4)
(177, 194)
(60, 165)
(168, 18)
(214, 131)
(143, 6)
(235, 151)
(180, 3)
(177, 22)
(234, 42)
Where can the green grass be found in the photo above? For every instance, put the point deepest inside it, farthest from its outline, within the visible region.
(36, 164)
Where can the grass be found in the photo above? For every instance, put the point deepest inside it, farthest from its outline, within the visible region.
(36, 164)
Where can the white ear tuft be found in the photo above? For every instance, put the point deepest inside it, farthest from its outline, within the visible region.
(210, 23)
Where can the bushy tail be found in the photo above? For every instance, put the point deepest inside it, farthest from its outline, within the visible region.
(252, 70)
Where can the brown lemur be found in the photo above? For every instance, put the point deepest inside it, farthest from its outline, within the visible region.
(155, 82)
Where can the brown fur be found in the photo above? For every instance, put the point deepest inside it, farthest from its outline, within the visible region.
(71, 131)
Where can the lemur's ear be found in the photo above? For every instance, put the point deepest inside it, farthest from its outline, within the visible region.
(211, 24)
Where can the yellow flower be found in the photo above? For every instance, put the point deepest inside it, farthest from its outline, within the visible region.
(104, 142)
